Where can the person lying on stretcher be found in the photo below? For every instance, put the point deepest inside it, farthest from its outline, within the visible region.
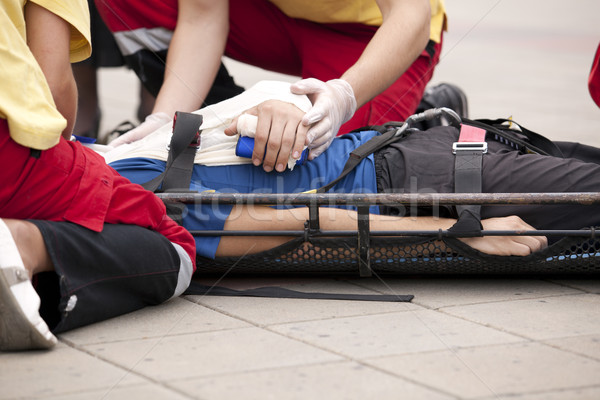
(422, 162)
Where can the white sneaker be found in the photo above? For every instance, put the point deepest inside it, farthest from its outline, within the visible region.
(21, 326)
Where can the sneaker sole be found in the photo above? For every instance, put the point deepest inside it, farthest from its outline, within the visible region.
(16, 332)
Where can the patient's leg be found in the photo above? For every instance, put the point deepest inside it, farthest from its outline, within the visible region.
(510, 172)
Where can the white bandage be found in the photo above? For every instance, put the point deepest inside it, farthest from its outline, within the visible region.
(246, 125)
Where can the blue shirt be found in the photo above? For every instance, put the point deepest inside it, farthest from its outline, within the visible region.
(246, 178)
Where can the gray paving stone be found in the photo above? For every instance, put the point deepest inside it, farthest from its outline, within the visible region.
(588, 345)
(332, 381)
(148, 391)
(394, 333)
(175, 317)
(63, 370)
(591, 393)
(540, 319)
(587, 285)
(496, 371)
(209, 353)
(437, 293)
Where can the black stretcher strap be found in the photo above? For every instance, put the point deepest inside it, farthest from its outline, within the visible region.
(180, 162)
(364, 242)
(534, 142)
(182, 150)
(359, 154)
(196, 288)
(468, 162)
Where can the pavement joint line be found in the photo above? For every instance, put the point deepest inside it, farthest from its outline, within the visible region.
(557, 347)
(362, 362)
(127, 371)
(342, 355)
(525, 338)
(414, 381)
(575, 286)
(538, 392)
(322, 363)
(597, 360)
(441, 340)
(541, 297)
(449, 348)
(495, 396)
(148, 337)
(158, 341)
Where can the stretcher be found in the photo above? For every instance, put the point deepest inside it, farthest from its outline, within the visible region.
(365, 252)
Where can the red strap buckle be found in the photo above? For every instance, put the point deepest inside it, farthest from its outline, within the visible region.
(470, 139)
(471, 134)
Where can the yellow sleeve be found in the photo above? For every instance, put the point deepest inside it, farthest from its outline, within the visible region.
(26, 101)
(438, 20)
(362, 12)
(77, 14)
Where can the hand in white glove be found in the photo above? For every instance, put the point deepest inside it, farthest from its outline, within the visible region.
(333, 104)
(150, 124)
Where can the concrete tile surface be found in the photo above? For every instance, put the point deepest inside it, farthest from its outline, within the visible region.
(209, 353)
(500, 370)
(484, 339)
(393, 333)
(137, 392)
(585, 345)
(177, 316)
(589, 393)
(61, 371)
(341, 380)
(587, 285)
(539, 319)
(436, 293)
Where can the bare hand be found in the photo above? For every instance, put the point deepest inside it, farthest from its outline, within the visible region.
(507, 245)
(279, 134)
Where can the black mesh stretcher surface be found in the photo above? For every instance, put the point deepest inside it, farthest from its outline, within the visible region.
(364, 252)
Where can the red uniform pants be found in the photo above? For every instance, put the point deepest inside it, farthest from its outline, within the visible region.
(71, 183)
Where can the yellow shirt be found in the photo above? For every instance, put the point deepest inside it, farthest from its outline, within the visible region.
(361, 11)
(25, 99)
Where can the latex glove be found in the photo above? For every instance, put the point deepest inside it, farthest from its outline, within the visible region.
(150, 124)
(333, 104)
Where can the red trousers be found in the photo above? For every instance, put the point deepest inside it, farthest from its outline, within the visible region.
(72, 183)
(594, 78)
(261, 35)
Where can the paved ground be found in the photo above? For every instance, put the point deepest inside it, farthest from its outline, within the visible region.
(459, 338)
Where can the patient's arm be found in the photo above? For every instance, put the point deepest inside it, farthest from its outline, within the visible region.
(265, 218)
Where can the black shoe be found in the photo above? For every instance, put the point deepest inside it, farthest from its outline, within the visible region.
(122, 128)
(443, 95)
